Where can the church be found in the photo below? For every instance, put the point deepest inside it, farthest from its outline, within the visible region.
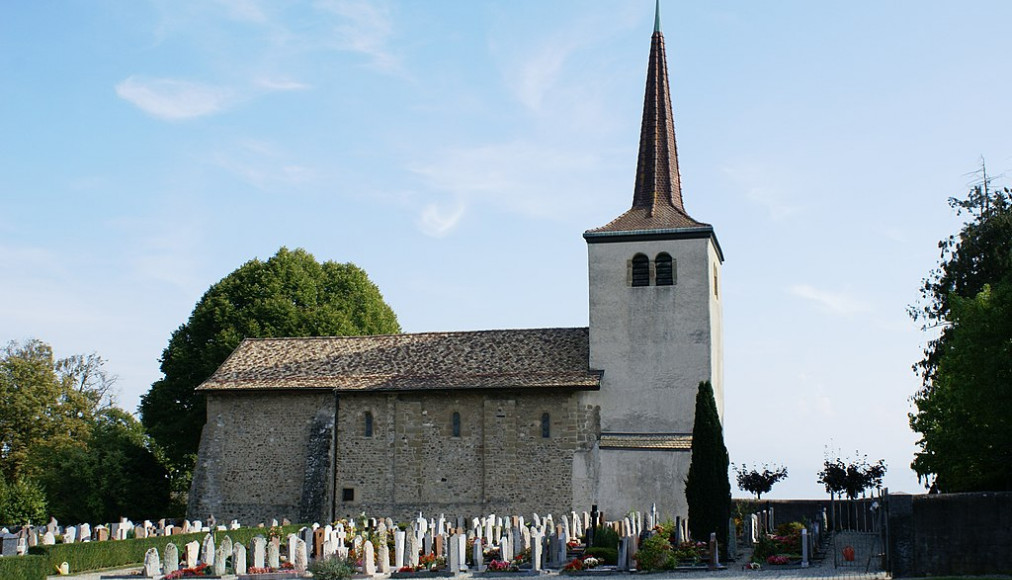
(524, 421)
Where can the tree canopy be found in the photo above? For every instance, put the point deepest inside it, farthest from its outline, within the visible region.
(707, 488)
(290, 294)
(758, 482)
(851, 478)
(964, 403)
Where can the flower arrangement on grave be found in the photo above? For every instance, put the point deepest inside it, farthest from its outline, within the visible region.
(491, 553)
(523, 557)
(498, 566)
(779, 560)
(275, 532)
(655, 553)
(753, 566)
(785, 545)
(690, 552)
(590, 562)
(194, 572)
(331, 569)
(574, 565)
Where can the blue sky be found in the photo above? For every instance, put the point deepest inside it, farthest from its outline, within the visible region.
(457, 150)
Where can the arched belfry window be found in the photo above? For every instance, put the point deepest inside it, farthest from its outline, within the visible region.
(456, 424)
(640, 270)
(546, 425)
(665, 269)
(368, 424)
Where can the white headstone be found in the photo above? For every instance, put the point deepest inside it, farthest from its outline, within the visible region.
(537, 544)
(220, 559)
(383, 555)
(192, 553)
(48, 539)
(273, 555)
(239, 558)
(399, 536)
(368, 559)
(411, 550)
(171, 563)
(259, 547)
(207, 550)
(301, 560)
(84, 532)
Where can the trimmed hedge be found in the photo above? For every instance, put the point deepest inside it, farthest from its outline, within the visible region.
(85, 556)
(25, 568)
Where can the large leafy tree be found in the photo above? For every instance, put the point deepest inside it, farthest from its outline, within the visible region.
(290, 294)
(113, 472)
(37, 404)
(964, 403)
(708, 489)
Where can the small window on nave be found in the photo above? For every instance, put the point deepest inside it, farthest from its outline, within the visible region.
(456, 424)
(546, 426)
(665, 268)
(640, 270)
(368, 424)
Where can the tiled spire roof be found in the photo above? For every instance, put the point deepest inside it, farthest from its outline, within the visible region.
(657, 197)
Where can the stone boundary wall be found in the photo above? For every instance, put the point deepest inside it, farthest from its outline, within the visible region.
(950, 534)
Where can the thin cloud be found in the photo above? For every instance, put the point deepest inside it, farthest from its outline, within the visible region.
(519, 177)
(174, 99)
(836, 302)
(244, 10)
(263, 166)
(281, 85)
(366, 28)
(438, 222)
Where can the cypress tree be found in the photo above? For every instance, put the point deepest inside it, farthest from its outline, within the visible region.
(708, 488)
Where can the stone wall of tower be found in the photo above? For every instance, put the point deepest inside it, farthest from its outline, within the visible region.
(654, 344)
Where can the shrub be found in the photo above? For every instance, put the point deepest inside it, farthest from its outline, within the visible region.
(331, 569)
(25, 568)
(655, 553)
(605, 537)
(606, 555)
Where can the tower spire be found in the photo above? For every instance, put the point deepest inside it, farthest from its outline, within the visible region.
(657, 196)
(657, 178)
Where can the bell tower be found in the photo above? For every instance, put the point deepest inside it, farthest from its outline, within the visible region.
(655, 326)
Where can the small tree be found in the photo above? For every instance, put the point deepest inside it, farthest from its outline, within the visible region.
(851, 479)
(758, 482)
(708, 489)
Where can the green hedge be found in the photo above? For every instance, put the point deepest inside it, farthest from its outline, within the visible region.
(25, 568)
(85, 556)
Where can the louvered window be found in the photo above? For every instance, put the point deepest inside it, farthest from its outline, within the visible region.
(640, 270)
(665, 270)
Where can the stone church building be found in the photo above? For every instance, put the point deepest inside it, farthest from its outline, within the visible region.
(541, 420)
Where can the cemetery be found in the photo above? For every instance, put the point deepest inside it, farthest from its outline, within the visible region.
(584, 543)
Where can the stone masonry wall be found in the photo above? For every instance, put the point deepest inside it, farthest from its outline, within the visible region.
(499, 462)
(264, 456)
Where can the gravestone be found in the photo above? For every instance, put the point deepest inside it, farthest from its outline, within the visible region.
(53, 526)
(207, 550)
(220, 559)
(383, 555)
(152, 566)
(329, 549)
(399, 536)
(319, 537)
(69, 535)
(291, 546)
(259, 547)
(623, 553)
(804, 548)
(171, 563)
(301, 556)
(8, 545)
(239, 558)
(140, 532)
(427, 546)
(411, 550)
(368, 559)
(48, 539)
(536, 550)
(192, 552)
(732, 540)
(84, 532)
(453, 557)
(273, 554)
(477, 555)
(226, 544)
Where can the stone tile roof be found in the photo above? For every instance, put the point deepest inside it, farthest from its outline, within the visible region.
(660, 217)
(660, 441)
(554, 358)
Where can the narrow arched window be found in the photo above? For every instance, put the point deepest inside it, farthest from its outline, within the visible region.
(456, 424)
(546, 426)
(665, 270)
(640, 270)
(368, 424)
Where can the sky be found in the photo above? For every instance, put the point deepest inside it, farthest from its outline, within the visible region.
(457, 151)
